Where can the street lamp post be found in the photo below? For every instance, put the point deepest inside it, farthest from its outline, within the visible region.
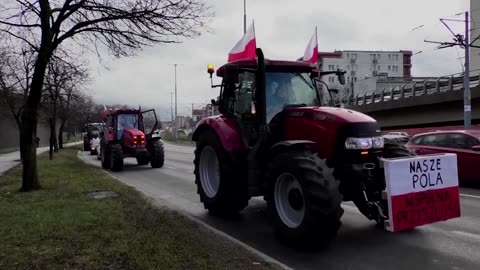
(171, 109)
(175, 119)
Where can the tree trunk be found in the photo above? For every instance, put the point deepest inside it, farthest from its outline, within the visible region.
(28, 151)
(30, 111)
(52, 137)
(60, 133)
(53, 131)
(19, 127)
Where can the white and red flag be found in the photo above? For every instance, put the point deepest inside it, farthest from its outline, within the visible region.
(245, 47)
(311, 52)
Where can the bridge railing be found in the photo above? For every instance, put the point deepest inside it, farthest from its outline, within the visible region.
(415, 89)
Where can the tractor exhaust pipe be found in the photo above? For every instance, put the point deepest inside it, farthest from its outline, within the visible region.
(261, 95)
(254, 187)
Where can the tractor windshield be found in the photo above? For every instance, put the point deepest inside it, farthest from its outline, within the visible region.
(289, 89)
(126, 121)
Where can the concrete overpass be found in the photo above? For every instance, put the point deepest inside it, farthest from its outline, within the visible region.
(428, 104)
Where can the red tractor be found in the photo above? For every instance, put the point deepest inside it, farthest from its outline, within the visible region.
(127, 134)
(273, 138)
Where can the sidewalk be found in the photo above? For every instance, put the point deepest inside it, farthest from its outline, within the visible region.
(10, 160)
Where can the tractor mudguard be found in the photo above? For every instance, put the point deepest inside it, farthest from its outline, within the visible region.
(225, 128)
(284, 145)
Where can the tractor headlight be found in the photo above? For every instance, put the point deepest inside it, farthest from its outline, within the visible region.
(364, 143)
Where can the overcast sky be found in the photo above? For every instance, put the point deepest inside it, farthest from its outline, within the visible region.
(283, 29)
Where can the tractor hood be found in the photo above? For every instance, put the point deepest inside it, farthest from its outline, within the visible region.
(331, 113)
(132, 132)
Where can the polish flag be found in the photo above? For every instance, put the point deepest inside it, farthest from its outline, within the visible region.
(311, 52)
(245, 47)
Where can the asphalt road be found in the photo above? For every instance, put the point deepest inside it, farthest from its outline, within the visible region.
(454, 244)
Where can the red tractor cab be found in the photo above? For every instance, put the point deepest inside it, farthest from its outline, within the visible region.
(127, 134)
(274, 138)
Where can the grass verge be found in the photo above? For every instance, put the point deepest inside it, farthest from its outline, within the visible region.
(60, 227)
(186, 141)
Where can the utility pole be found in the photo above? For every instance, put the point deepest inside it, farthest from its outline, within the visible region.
(464, 42)
(175, 126)
(171, 107)
(467, 108)
(244, 16)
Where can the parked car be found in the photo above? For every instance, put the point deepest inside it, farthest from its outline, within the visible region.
(464, 143)
(396, 137)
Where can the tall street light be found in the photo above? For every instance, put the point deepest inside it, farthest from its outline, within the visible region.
(175, 119)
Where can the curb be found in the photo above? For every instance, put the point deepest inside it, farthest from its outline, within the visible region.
(254, 251)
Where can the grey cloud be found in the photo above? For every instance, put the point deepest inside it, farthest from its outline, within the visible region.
(283, 28)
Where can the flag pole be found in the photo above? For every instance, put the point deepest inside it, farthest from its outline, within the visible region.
(244, 16)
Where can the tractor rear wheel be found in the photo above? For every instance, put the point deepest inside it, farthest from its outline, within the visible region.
(105, 156)
(222, 191)
(157, 156)
(303, 199)
(116, 157)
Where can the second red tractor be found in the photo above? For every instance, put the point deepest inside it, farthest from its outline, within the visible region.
(126, 134)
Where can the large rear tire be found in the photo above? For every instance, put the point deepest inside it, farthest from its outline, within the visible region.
(222, 191)
(116, 157)
(157, 158)
(105, 156)
(304, 200)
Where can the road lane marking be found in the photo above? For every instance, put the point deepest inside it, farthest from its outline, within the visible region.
(467, 235)
(470, 196)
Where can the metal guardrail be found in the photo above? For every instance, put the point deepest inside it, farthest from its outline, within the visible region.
(415, 89)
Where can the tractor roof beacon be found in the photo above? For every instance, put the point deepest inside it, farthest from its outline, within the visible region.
(126, 134)
(274, 138)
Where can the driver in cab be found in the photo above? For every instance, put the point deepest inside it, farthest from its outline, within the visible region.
(278, 90)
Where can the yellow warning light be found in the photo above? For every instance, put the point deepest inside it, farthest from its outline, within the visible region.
(210, 69)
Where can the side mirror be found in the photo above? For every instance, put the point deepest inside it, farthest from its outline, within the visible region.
(214, 102)
(476, 148)
(341, 77)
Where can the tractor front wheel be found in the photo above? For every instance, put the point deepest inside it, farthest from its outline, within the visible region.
(116, 157)
(86, 145)
(304, 200)
(157, 156)
(222, 191)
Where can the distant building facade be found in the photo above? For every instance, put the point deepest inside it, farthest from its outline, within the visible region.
(365, 64)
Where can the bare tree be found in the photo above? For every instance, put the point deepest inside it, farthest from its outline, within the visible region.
(62, 78)
(122, 26)
(69, 100)
(15, 76)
